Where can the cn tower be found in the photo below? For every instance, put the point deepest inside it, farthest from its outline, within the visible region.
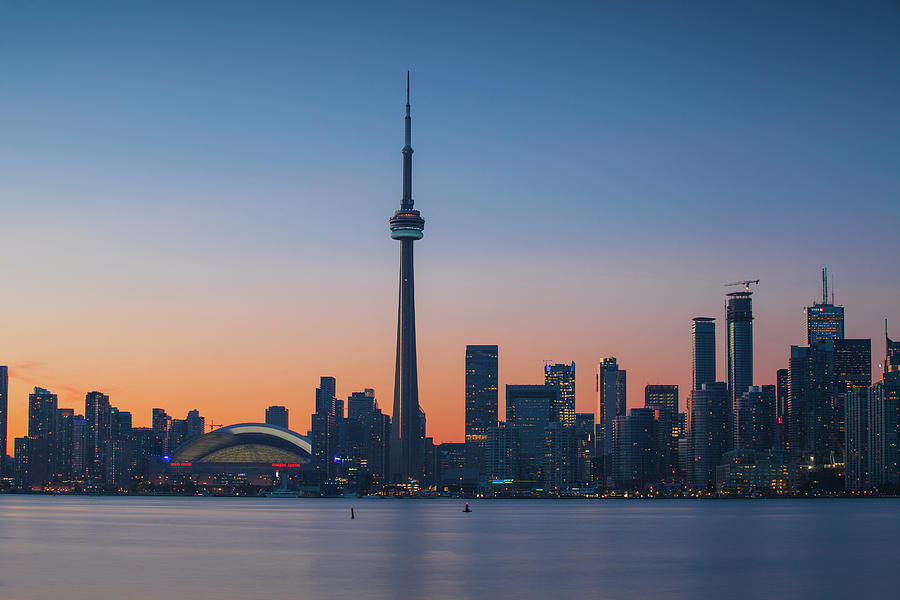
(406, 226)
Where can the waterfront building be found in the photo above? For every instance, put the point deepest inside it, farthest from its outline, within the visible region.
(883, 433)
(611, 402)
(754, 419)
(325, 426)
(42, 425)
(30, 456)
(746, 472)
(4, 418)
(562, 378)
(819, 379)
(96, 415)
(406, 226)
(365, 446)
(703, 351)
(664, 398)
(637, 441)
(140, 452)
(585, 449)
(856, 439)
(482, 401)
(79, 439)
(529, 409)
(160, 424)
(277, 415)
(710, 432)
(65, 427)
(558, 468)
(739, 330)
(502, 454)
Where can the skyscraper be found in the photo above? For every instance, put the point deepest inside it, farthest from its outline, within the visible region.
(820, 378)
(529, 409)
(325, 426)
(562, 377)
(824, 320)
(277, 415)
(710, 432)
(4, 408)
(703, 355)
(406, 226)
(97, 415)
(481, 401)
(42, 425)
(739, 330)
(664, 399)
(754, 419)
(611, 402)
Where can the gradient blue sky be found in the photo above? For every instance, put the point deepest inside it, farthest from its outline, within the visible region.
(195, 195)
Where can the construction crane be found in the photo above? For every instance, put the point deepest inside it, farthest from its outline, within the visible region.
(746, 283)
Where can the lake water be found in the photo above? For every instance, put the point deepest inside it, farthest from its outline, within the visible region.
(173, 548)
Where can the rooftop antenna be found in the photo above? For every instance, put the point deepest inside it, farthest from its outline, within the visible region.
(825, 285)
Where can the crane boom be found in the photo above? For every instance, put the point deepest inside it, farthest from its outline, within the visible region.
(746, 283)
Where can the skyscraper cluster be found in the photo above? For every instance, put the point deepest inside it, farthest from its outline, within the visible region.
(96, 450)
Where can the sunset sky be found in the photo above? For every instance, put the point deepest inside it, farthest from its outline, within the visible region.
(195, 196)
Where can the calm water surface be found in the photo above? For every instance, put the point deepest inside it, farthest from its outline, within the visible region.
(167, 548)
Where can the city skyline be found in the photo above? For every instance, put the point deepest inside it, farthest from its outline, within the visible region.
(196, 293)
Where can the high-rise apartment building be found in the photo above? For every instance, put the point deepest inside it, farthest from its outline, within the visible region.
(739, 331)
(42, 425)
(65, 427)
(820, 377)
(755, 420)
(562, 377)
(611, 402)
(325, 424)
(278, 416)
(710, 432)
(529, 408)
(664, 398)
(638, 455)
(703, 355)
(96, 415)
(4, 419)
(482, 401)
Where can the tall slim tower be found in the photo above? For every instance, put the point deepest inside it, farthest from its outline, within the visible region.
(4, 407)
(481, 401)
(703, 337)
(406, 226)
(739, 331)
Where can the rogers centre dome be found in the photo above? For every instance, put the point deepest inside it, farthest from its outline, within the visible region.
(245, 443)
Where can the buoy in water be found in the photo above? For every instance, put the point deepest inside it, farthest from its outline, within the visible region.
(467, 509)
(352, 516)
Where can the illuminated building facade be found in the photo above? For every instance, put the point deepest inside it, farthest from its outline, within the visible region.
(562, 377)
(482, 401)
(529, 409)
(739, 331)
